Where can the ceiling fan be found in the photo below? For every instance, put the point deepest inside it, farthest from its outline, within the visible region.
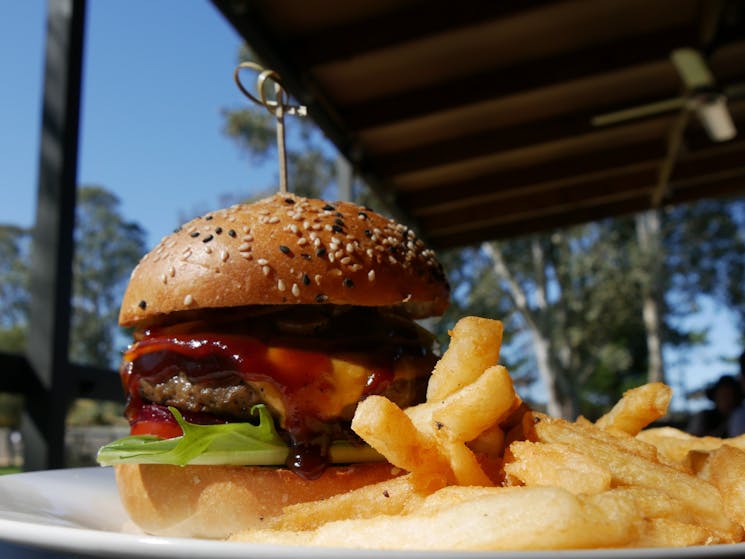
(701, 96)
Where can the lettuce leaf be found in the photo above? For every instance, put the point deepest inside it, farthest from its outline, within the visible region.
(240, 444)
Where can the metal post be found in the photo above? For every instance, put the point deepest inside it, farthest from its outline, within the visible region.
(43, 424)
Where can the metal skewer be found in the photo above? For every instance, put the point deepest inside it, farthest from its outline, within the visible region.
(278, 107)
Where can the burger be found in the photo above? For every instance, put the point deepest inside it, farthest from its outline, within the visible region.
(257, 330)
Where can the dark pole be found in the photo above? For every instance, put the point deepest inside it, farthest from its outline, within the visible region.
(43, 424)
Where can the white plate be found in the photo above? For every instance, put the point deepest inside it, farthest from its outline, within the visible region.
(77, 511)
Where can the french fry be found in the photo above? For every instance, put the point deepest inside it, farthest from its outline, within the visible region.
(516, 518)
(468, 412)
(487, 472)
(377, 418)
(727, 473)
(628, 469)
(637, 408)
(474, 346)
(556, 465)
(489, 443)
(387, 497)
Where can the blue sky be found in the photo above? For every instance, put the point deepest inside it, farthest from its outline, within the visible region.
(151, 126)
(154, 86)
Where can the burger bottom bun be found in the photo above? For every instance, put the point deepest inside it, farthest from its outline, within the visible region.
(217, 501)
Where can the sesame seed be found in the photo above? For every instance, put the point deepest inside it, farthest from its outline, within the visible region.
(246, 229)
(306, 279)
(350, 248)
(302, 241)
(306, 255)
(337, 228)
(289, 201)
(142, 304)
(194, 234)
(284, 249)
(371, 275)
(172, 271)
(208, 249)
(362, 215)
(321, 298)
(348, 282)
(232, 232)
(265, 270)
(218, 230)
(281, 285)
(295, 290)
(244, 247)
(163, 279)
(224, 255)
(207, 239)
(273, 219)
(317, 278)
(188, 300)
(208, 217)
(262, 261)
(346, 260)
(329, 208)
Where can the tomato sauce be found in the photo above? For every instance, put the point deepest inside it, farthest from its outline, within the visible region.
(301, 377)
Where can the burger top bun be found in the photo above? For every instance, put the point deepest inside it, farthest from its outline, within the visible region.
(285, 249)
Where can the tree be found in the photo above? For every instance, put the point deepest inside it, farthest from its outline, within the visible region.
(14, 296)
(591, 307)
(107, 247)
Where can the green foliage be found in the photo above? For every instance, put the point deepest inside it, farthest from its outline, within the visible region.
(14, 296)
(107, 247)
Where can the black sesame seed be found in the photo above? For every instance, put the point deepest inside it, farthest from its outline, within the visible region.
(348, 282)
(306, 279)
(142, 305)
(194, 234)
(329, 208)
(321, 298)
(339, 222)
(321, 251)
(289, 201)
(339, 214)
(284, 249)
(218, 230)
(207, 239)
(208, 217)
(337, 228)
(386, 494)
(368, 233)
(177, 229)
(231, 232)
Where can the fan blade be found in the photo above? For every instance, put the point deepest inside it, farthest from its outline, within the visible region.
(715, 117)
(692, 68)
(641, 111)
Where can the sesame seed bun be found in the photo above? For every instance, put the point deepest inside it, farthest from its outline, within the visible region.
(285, 249)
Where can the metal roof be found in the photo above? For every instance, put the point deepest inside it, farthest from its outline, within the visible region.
(475, 119)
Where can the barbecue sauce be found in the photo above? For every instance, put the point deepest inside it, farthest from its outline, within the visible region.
(302, 378)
